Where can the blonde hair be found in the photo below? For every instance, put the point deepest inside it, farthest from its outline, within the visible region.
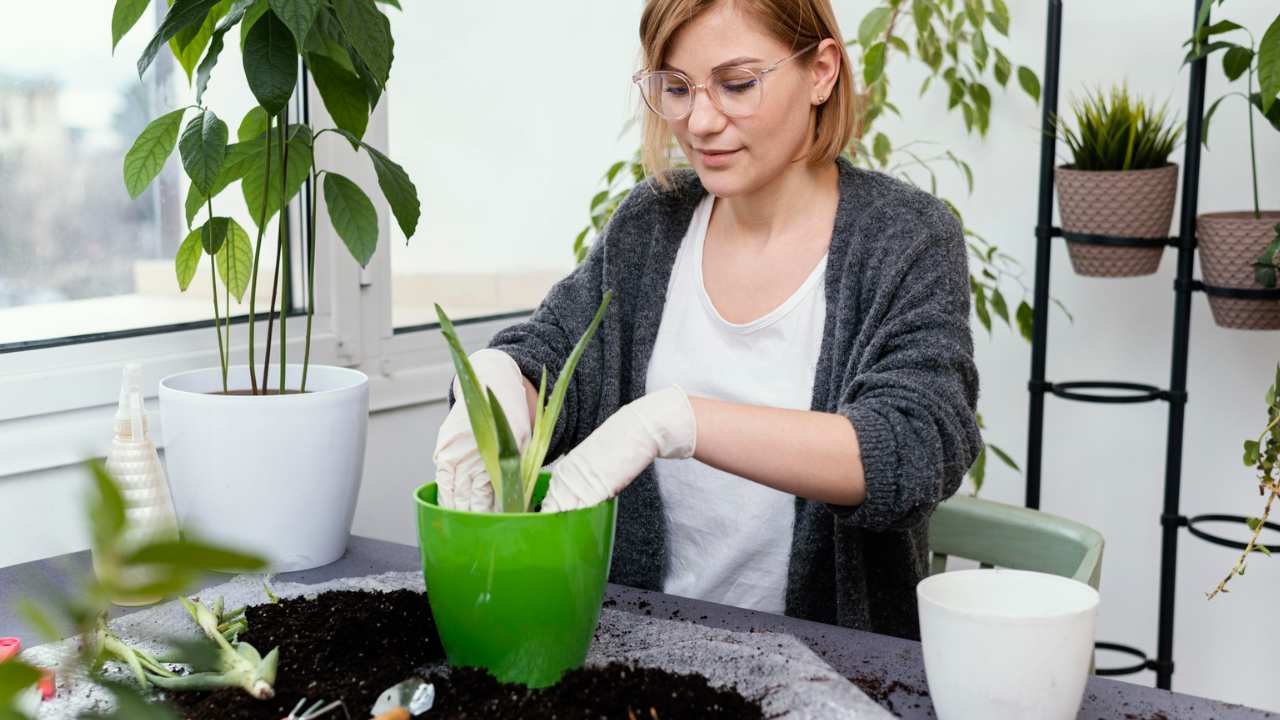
(795, 23)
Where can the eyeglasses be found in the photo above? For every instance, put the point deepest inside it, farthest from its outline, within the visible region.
(736, 91)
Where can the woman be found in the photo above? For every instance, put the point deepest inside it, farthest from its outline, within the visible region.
(783, 387)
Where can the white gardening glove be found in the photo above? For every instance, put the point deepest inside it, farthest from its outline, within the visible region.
(658, 425)
(460, 473)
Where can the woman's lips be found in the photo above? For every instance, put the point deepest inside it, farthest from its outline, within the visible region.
(717, 158)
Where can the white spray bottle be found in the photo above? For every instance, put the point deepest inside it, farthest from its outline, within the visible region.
(135, 465)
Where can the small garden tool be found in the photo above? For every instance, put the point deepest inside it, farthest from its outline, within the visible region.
(405, 700)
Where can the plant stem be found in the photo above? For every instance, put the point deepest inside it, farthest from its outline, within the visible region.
(257, 253)
(213, 283)
(275, 279)
(311, 277)
(1253, 152)
(285, 275)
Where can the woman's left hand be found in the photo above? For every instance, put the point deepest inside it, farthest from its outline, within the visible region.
(658, 425)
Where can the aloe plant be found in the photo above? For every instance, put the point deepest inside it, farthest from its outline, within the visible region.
(1117, 131)
(346, 47)
(514, 475)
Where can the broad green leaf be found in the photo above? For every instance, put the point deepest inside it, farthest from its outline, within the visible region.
(106, 508)
(239, 159)
(235, 260)
(1251, 453)
(922, 13)
(369, 33)
(229, 21)
(146, 158)
(125, 15)
(1269, 65)
(1236, 61)
(882, 147)
(478, 410)
(1029, 82)
(298, 15)
(255, 122)
(973, 11)
(1026, 320)
(327, 39)
(999, 17)
(1272, 115)
(197, 556)
(393, 3)
(251, 18)
(300, 159)
(874, 24)
(873, 63)
(1208, 116)
(396, 187)
(271, 63)
(188, 258)
(353, 216)
(204, 148)
(978, 471)
(343, 94)
(999, 305)
(1002, 68)
(214, 233)
(189, 44)
(182, 14)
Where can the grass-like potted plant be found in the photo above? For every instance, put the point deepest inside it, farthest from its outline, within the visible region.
(1116, 196)
(268, 457)
(516, 591)
(1241, 249)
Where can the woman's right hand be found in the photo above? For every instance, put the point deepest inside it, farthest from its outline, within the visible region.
(460, 473)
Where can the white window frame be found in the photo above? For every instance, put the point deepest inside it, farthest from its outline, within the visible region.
(53, 400)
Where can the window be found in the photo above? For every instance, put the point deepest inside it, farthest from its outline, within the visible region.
(78, 256)
(506, 125)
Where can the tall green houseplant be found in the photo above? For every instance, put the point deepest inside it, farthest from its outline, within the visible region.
(346, 48)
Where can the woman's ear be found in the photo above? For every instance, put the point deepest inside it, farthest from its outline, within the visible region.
(824, 70)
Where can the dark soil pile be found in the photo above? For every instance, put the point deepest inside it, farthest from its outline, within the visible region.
(343, 645)
(615, 692)
(352, 645)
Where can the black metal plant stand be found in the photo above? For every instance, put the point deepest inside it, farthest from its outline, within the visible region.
(1171, 520)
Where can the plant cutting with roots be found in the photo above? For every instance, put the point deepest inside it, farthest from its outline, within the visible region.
(1263, 454)
(515, 475)
(346, 48)
(161, 567)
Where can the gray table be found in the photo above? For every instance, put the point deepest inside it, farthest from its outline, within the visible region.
(894, 664)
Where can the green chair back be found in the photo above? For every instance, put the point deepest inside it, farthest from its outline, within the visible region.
(1001, 535)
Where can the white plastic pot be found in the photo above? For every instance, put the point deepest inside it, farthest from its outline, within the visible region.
(1006, 643)
(275, 475)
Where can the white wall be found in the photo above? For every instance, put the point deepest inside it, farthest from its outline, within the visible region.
(1102, 465)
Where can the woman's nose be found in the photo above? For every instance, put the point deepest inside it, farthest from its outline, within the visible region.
(705, 118)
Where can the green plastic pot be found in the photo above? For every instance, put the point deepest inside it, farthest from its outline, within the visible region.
(517, 594)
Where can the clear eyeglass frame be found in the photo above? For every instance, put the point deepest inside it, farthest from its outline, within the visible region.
(643, 76)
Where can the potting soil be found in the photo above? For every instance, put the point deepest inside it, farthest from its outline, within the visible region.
(350, 645)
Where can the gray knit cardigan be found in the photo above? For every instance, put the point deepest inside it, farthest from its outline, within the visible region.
(896, 360)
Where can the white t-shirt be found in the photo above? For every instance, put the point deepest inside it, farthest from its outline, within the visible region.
(729, 539)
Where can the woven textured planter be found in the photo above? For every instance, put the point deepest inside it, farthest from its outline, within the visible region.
(1120, 203)
(1229, 243)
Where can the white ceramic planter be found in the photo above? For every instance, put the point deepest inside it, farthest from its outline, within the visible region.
(1006, 644)
(275, 475)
